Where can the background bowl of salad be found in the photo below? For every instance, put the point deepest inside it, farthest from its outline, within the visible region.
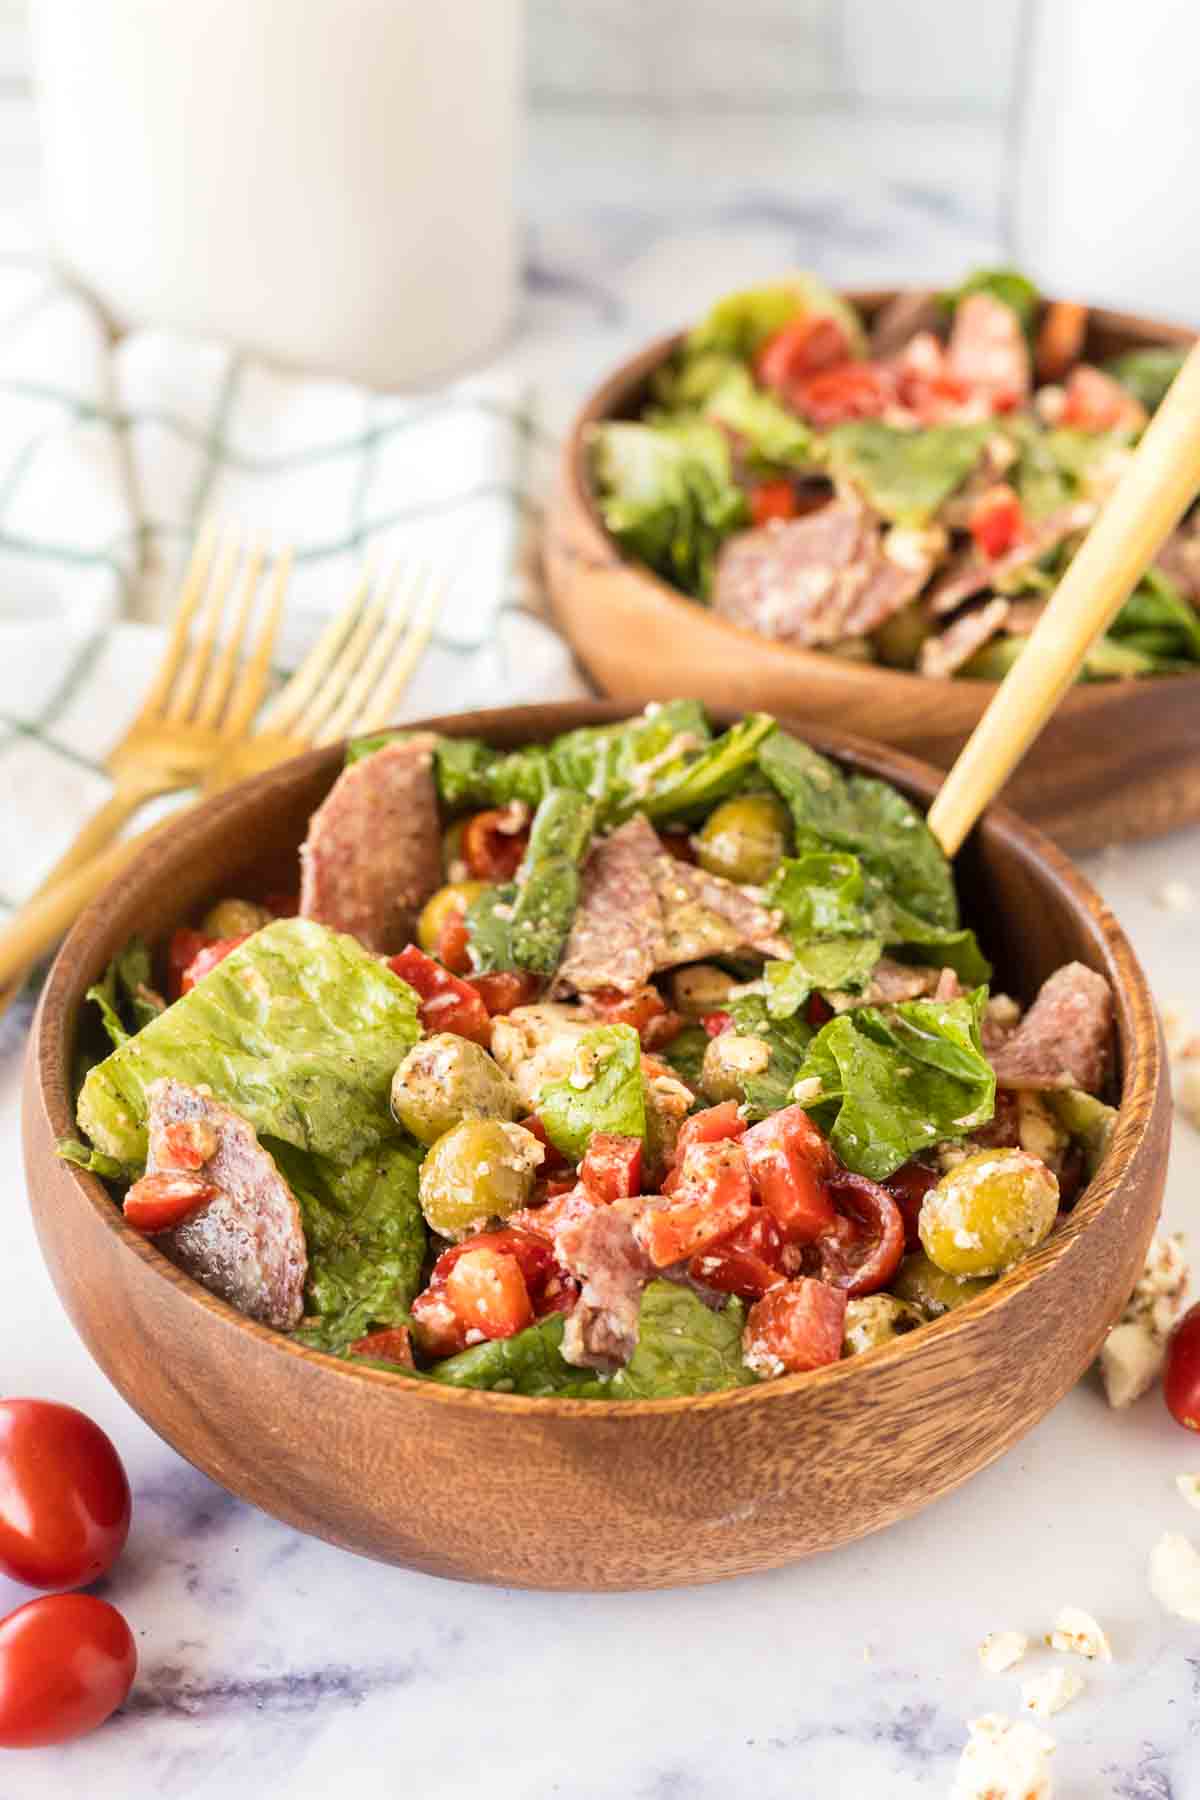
(724, 1471)
(852, 508)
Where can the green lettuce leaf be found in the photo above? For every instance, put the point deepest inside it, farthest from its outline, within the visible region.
(897, 1080)
(1016, 290)
(912, 939)
(548, 882)
(685, 1054)
(1149, 372)
(103, 993)
(299, 1030)
(770, 435)
(739, 324)
(366, 1240)
(824, 966)
(612, 1098)
(1157, 609)
(820, 895)
(616, 764)
(668, 495)
(787, 1039)
(529, 1363)
(489, 929)
(125, 994)
(695, 786)
(71, 1150)
(905, 475)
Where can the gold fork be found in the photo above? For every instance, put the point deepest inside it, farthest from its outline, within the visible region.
(350, 681)
(203, 696)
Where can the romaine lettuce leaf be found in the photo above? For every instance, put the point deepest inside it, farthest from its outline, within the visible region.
(529, 1363)
(668, 495)
(71, 1150)
(905, 475)
(615, 765)
(897, 1080)
(720, 769)
(124, 993)
(1148, 372)
(820, 895)
(787, 1039)
(610, 1095)
(685, 1054)
(548, 882)
(770, 435)
(489, 929)
(299, 1030)
(366, 1239)
(739, 324)
(823, 966)
(1157, 608)
(1016, 290)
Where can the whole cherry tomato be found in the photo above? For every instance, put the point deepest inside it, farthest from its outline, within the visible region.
(64, 1498)
(1181, 1382)
(66, 1662)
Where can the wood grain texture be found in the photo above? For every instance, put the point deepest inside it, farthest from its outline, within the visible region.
(578, 1494)
(1118, 761)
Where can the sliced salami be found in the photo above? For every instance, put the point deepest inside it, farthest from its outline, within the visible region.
(819, 579)
(900, 319)
(373, 855)
(988, 351)
(957, 644)
(705, 915)
(1065, 1039)
(599, 1248)
(247, 1244)
(973, 574)
(616, 940)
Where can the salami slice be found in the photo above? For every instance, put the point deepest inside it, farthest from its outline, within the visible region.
(616, 940)
(821, 578)
(988, 351)
(973, 574)
(1065, 1039)
(957, 644)
(599, 1248)
(705, 915)
(900, 319)
(373, 853)
(247, 1244)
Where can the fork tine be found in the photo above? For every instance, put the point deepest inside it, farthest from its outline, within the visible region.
(220, 676)
(291, 700)
(348, 708)
(244, 701)
(378, 709)
(195, 667)
(194, 582)
(341, 675)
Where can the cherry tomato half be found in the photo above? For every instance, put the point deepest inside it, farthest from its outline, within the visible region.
(67, 1662)
(1181, 1382)
(494, 843)
(861, 1250)
(64, 1497)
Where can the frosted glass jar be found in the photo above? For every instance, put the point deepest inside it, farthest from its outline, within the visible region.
(328, 182)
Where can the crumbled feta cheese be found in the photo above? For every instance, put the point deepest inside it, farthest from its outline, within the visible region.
(1131, 1361)
(1004, 1759)
(808, 1090)
(1189, 1487)
(1161, 1286)
(1049, 1692)
(1175, 1576)
(1183, 1044)
(1002, 1650)
(1077, 1632)
(1176, 896)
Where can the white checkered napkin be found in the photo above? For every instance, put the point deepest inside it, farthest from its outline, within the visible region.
(111, 454)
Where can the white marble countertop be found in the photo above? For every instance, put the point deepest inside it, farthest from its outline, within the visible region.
(273, 1666)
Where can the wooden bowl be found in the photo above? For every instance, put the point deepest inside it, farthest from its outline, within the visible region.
(1119, 760)
(575, 1493)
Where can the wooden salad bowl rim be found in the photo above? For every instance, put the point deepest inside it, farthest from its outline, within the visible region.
(670, 610)
(1143, 1116)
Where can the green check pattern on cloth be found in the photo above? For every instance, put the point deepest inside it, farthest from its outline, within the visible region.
(112, 453)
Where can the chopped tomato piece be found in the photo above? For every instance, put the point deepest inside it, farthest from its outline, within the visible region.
(678, 843)
(188, 1143)
(798, 349)
(391, 1343)
(447, 1002)
(925, 383)
(570, 1201)
(1094, 401)
(554, 1161)
(506, 989)
(795, 1327)
(183, 949)
(454, 942)
(488, 1293)
(861, 1249)
(790, 1162)
(997, 521)
(849, 391)
(612, 1166)
(773, 500)
(747, 1262)
(493, 843)
(436, 1328)
(908, 1186)
(717, 1023)
(160, 1201)
(710, 1198)
(709, 1127)
(204, 960)
(644, 1009)
(548, 1285)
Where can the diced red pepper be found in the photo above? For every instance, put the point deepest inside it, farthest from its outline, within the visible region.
(494, 842)
(214, 952)
(773, 500)
(506, 989)
(612, 1166)
(717, 1023)
(570, 1201)
(183, 949)
(801, 348)
(454, 942)
(644, 1009)
(711, 1198)
(790, 1162)
(747, 1262)
(853, 390)
(392, 1343)
(488, 1293)
(997, 521)
(908, 1186)
(447, 1002)
(1094, 401)
(709, 1127)
(160, 1201)
(795, 1327)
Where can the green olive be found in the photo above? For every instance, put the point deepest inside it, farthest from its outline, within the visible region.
(930, 1289)
(877, 1319)
(729, 1060)
(898, 640)
(234, 918)
(445, 1079)
(743, 839)
(987, 1212)
(700, 988)
(479, 1170)
(456, 896)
